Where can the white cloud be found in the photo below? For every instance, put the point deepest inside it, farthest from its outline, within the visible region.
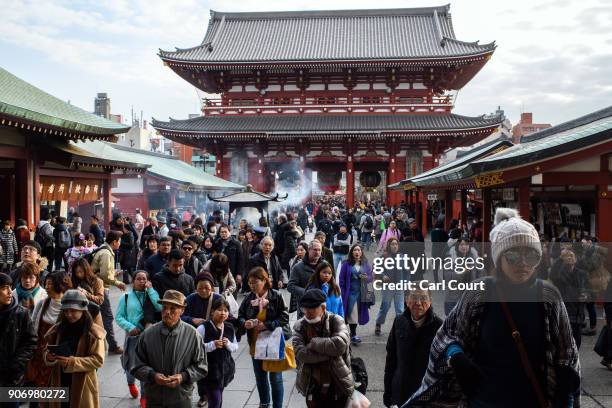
(552, 55)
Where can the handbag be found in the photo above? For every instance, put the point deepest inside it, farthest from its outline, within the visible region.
(601, 345)
(288, 363)
(367, 294)
(270, 345)
(518, 341)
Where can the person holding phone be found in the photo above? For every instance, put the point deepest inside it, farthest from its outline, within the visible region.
(75, 351)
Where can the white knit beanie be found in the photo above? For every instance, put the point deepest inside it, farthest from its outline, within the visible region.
(511, 231)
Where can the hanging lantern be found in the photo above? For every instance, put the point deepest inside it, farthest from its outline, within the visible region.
(329, 182)
(370, 180)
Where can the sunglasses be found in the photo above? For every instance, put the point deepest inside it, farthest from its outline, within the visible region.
(530, 257)
(187, 249)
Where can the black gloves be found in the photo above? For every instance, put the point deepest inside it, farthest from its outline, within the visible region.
(468, 374)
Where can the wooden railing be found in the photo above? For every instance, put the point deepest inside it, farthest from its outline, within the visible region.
(314, 104)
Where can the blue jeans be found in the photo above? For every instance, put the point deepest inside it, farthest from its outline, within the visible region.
(263, 385)
(366, 238)
(388, 296)
(338, 258)
(129, 352)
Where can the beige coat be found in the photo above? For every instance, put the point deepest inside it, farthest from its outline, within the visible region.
(84, 391)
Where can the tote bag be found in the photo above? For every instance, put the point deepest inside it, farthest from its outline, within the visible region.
(270, 345)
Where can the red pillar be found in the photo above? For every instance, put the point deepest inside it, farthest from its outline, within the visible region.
(423, 211)
(226, 171)
(12, 198)
(256, 176)
(108, 208)
(448, 208)
(463, 207)
(350, 183)
(397, 172)
(486, 214)
(35, 190)
(185, 153)
(523, 193)
(428, 163)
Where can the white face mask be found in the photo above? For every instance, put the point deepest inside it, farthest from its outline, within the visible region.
(313, 321)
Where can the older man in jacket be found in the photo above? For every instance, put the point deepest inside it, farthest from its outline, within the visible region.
(301, 273)
(267, 259)
(170, 357)
(408, 348)
(321, 342)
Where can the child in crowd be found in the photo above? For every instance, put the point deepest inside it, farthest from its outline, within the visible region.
(324, 279)
(220, 342)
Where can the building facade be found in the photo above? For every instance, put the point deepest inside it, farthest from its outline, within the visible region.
(526, 127)
(340, 93)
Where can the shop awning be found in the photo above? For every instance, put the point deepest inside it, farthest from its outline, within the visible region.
(162, 166)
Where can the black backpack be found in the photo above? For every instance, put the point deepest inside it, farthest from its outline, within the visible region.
(150, 314)
(63, 239)
(369, 222)
(43, 240)
(90, 256)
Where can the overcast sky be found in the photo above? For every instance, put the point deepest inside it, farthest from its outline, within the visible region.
(554, 57)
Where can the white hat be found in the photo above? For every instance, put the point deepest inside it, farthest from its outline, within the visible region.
(512, 231)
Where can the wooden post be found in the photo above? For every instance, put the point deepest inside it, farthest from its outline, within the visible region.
(35, 191)
(486, 214)
(350, 183)
(604, 214)
(523, 198)
(108, 203)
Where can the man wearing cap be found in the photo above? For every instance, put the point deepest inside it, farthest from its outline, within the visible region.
(170, 357)
(163, 228)
(321, 344)
(17, 336)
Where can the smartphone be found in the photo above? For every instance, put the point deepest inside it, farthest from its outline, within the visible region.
(62, 349)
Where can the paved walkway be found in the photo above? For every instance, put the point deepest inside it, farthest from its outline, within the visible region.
(597, 381)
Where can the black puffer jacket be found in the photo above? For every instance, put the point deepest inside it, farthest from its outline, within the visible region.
(407, 356)
(276, 314)
(233, 251)
(298, 281)
(17, 343)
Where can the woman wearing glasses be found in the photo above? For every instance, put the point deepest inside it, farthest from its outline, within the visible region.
(511, 344)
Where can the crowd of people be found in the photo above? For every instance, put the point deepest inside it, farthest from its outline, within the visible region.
(192, 287)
